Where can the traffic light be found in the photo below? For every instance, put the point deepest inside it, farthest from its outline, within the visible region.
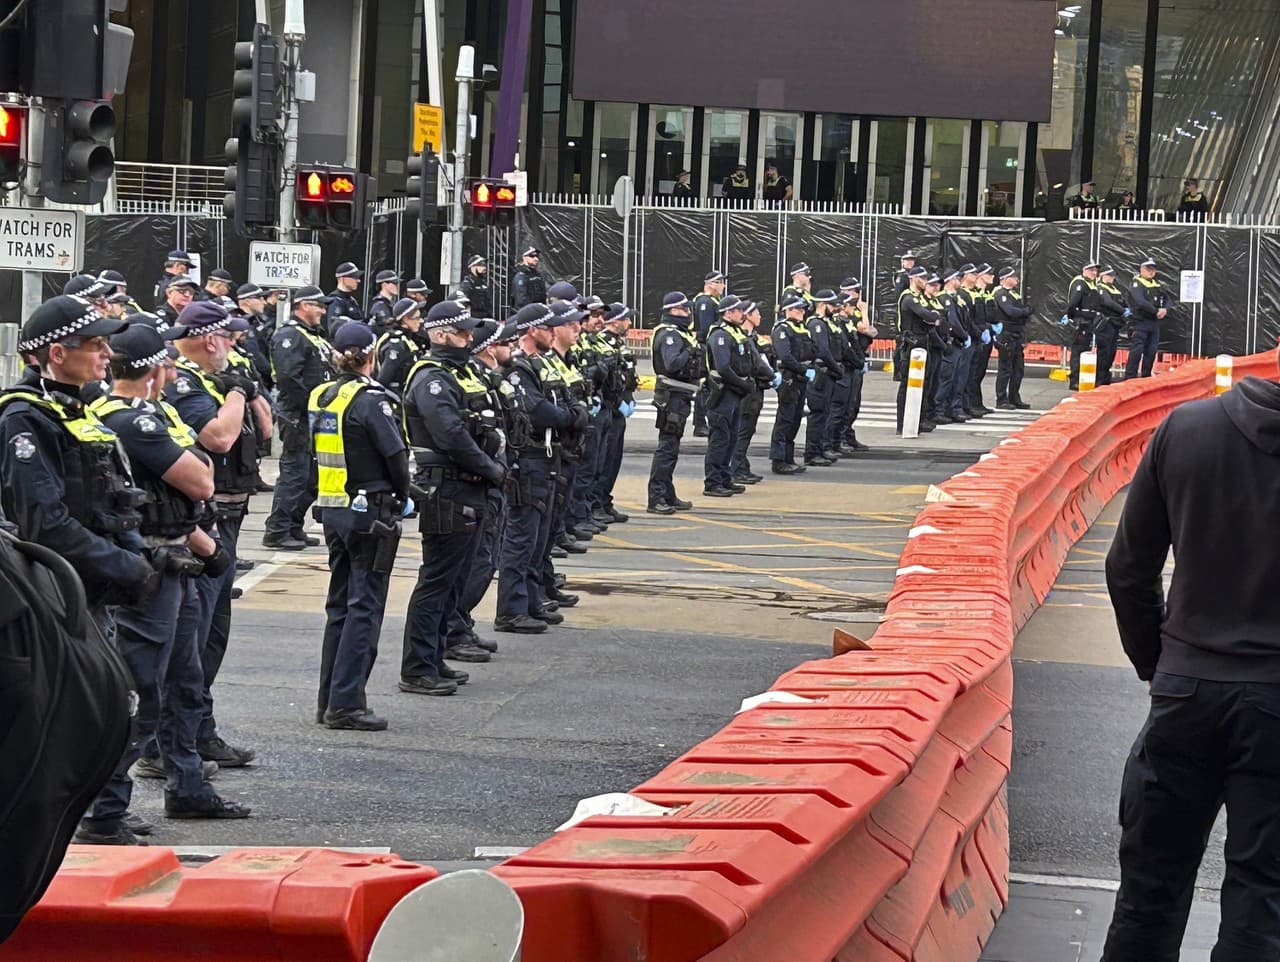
(423, 187)
(331, 198)
(492, 202)
(78, 160)
(256, 86)
(10, 146)
(252, 180)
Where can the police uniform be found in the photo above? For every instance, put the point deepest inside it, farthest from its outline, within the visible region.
(399, 350)
(1193, 206)
(175, 258)
(455, 446)
(363, 489)
(983, 318)
(528, 286)
(793, 347)
(917, 328)
(731, 375)
(828, 370)
(678, 365)
(160, 640)
(562, 380)
(1083, 312)
(952, 359)
(706, 314)
(1012, 316)
(198, 397)
(1146, 299)
(166, 314)
(476, 287)
(343, 304)
(763, 377)
(591, 357)
(1113, 312)
(847, 403)
(619, 404)
(300, 356)
(381, 316)
(1087, 204)
(530, 490)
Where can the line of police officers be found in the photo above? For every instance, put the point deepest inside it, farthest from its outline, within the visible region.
(1099, 311)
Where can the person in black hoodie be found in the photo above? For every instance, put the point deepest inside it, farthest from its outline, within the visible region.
(1211, 653)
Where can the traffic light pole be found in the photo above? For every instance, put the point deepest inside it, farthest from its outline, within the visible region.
(293, 57)
(465, 76)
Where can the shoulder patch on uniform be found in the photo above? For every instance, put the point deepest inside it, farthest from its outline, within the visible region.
(183, 386)
(514, 379)
(392, 354)
(435, 387)
(386, 409)
(147, 424)
(23, 447)
(286, 342)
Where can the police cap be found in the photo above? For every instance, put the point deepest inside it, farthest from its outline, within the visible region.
(1091, 266)
(354, 336)
(246, 291)
(404, 307)
(1007, 272)
(62, 317)
(950, 276)
(310, 295)
(531, 316)
(491, 332)
(565, 312)
(1149, 262)
(109, 276)
(181, 280)
(731, 303)
(179, 257)
(417, 286)
(220, 274)
(968, 269)
(387, 277)
(348, 269)
(825, 296)
(618, 311)
(982, 268)
(562, 291)
(593, 304)
(918, 271)
(141, 346)
(475, 260)
(793, 302)
(673, 300)
(713, 276)
(1107, 271)
(801, 268)
(449, 314)
(205, 317)
(86, 286)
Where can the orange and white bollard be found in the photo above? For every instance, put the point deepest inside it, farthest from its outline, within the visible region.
(915, 394)
(1222, 378)
(1088, 371)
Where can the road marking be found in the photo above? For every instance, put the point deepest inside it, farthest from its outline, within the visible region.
(819, 542)
(499, 851)
(1065, 881)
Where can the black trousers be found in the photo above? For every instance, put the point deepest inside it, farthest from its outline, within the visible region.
(841, 402)
(977, 373)
(815, 428)
(671, 422)
(1205, 744)
(786, 423)
(1081, 342)
(1107, 336)
(1009, 373)
(748, 418)
(295, 487)
(483, 566)
(1142, 349)
(850, 434)
(614, 433)
(723, 418)
(214, 604)
(524, 538)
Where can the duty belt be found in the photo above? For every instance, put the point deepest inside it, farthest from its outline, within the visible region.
(436, 473)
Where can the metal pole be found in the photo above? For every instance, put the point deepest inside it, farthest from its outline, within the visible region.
(295, 32)
(33, 281)
(462, 140)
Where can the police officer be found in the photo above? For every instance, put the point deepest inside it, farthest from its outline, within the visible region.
(398, 350)
(1114, 313)
(794, 349)
(419, 290)
(953, 364)
(983, 318)
(380, 315)
(114, 279)
(230, 417)
(902, 276)
(456, 447)
(844, 344)
(861, 333)
(764, 378)
(972, 312)
(593, 358)
(363, 492)
(737, 186)
(160, 639)
(1011, 340)
(828, 369)
(176, 264)
(1193, 205)
(678, 365)
(706, 314)
(562, 379)
(527, 284)
(682, 191)
(343, 303)
(250, 299)
(1083, 312)
(1086, 201)
(217, 284)
(1149, 302)
(300, 355)
(476, 286)
(177, 294)
(531, 489)
(492, 343)
(619, 402)
(731, 374)
(800, 286)
(917, 328)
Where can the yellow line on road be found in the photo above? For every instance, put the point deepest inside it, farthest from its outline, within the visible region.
(820, 542)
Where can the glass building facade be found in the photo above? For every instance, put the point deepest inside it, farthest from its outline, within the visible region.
(1145, 94)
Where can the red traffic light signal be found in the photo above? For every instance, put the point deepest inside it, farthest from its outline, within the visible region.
(340, 185)
(493, 200)
(330, 198)
(10, 127)
(10, 147)
(311, 186)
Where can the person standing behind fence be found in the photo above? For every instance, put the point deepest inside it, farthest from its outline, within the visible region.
(1210, 652)
(765, 378)
(1113, 312)
(777, 189)
(1086, 201)
(1149, 302)
(1194, 205)
(737, 186)
(528, 286)
(1011, 341)
(706, 314)
(1083, 311)
(682, 191)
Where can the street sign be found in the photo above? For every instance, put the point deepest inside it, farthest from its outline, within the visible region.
(624, 195)
(428, 127)
(520, 180)
(41, 240)
(273, 264)
(1192, 291)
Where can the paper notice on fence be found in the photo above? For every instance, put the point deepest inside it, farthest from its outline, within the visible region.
(1192, 287)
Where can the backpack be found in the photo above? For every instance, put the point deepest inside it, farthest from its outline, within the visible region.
(65, 706)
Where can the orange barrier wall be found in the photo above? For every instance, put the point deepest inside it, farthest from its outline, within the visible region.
(252, 905)
(870, 824)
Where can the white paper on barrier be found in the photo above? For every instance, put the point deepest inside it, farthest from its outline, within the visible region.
(773, 698)
(614, 803)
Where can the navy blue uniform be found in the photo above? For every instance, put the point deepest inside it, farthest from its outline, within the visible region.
(1146, 299)
(730, 368)
(528, 286)
(1011, 344)
(342, 304)
(677, 359)
(752, 405)
(793, 347)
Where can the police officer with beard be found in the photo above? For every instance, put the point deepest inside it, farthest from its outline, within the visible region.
(476, 286)
(527, 284)
(397, 351)
(160, 640)
(678, 364)
(457, 448)
(343, 303)
(363, 492)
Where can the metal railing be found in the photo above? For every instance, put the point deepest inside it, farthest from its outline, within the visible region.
(167, 189)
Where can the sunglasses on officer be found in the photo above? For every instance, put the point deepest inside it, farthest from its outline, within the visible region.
(84, 343)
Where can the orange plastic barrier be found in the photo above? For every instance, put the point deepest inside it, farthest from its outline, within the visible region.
(251, 905)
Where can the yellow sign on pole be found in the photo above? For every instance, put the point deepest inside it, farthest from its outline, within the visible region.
(428, 127)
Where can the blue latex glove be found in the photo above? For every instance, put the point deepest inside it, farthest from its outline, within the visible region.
(866, 366)
(777, 378)
(627, 408)
(409, 508)
(595, 406)
(1127, 313)
(986, 337)
(1064, 320)
(810, 374)
(998, 327)
(968, 343)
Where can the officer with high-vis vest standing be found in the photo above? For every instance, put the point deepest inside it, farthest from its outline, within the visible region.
(793, 347)
(827, 348)
(160, 640)
(363, 482)
(1149, 301)
(230, 418)
(1115, 311)
(706, 314)
(731, 376)
(917, 328)
(398, 350)
(1083, 312)
(678, 364)
(1012, 317)
(300, 356)
(457, 446)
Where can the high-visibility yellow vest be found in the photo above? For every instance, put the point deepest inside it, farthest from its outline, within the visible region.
(84, 426)
(180, 432)
(331, 459)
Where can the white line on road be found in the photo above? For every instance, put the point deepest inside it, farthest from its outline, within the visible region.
(1065, 881)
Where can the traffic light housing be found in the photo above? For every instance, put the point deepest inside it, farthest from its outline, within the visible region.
(11, 121)
(331, 198)
(252, 181)
(492, 202)
(256, 86)
(252, 176)
(422, 187)
(78, 159)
